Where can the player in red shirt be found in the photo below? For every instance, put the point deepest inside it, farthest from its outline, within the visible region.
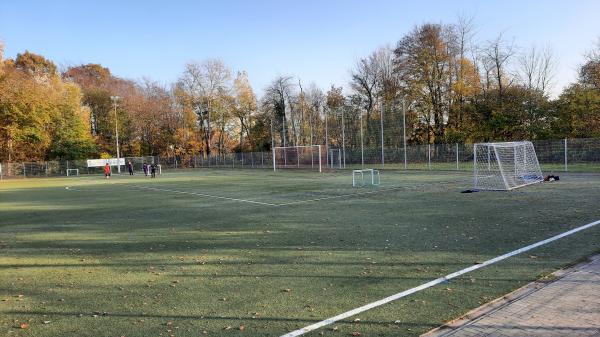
(107, 171)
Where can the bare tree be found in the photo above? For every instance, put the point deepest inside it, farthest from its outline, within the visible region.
(315, 99)
(276, 101)
(537, 69)
(374, 82)
(497, 55)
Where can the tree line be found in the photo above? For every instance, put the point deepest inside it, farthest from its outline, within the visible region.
(437, 81)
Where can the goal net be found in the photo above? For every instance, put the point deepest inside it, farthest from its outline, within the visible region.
(312, 157)
(72, 172)
(505, 166)
(335, 158)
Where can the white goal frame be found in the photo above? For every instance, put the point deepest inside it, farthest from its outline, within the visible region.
(316, 163)
(375, 180)
(333, 155)
(505, 166)
(72, 170)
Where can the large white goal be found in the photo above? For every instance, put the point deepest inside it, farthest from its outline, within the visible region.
(311, 157)
(505, 166)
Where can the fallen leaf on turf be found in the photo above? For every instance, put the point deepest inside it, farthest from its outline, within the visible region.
(287, 290)
(227, 327)
(335, 328)
(357, 319)
(356, 333)
(532, 257)
(46, 322)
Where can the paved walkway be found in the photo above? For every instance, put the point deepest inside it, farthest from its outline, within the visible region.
(567, 306)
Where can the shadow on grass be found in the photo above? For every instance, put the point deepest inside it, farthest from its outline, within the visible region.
(208, 317)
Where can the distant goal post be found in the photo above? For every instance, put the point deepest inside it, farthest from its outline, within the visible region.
(72, 172)
(505, 166)
(308, 157)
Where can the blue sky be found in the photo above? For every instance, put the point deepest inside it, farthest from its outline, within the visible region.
(318, 41)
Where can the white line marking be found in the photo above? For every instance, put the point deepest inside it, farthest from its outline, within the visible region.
(204, 195)
(434, 282)
(338, 196)
(264, 203)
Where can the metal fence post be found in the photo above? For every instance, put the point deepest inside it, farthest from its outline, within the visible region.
(382, 151)
(457, 156)
(344, 137)
(404, 133)
(566, 157)
(429, 156)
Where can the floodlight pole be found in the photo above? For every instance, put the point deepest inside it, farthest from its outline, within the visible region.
(115, 99)
(362, 149)
(326, 135)
(404, 130)
(382, 150)
(344, 136)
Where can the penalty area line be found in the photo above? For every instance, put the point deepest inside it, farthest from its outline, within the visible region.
(435, 282)
(203, 195)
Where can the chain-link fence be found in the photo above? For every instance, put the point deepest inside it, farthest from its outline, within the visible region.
(65, 168)
(574, 155)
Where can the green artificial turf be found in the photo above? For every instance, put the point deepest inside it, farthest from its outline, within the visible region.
(172, 256)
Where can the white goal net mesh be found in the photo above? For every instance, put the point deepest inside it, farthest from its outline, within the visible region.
(312, 157)
(505, 166)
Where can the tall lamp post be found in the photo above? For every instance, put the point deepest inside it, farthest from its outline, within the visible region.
(115, 99)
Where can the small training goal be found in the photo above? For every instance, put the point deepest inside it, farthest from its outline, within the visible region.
(310, 157)
(505, 166)
(72, 172)
(364, 177)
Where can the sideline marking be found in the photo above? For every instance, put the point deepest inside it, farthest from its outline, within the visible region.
(434, 282)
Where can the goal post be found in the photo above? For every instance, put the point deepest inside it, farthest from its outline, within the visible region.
(310, 157)
(505, 166)
(358, 178)
(335, 158)
(72, 172)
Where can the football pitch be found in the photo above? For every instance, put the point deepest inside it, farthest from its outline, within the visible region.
(258, 253)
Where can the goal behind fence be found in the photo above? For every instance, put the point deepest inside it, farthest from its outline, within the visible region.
(311, 157)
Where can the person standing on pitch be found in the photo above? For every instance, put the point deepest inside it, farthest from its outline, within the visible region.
(145, 168)
(153, 170)
(130, 167)
(107, 171)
